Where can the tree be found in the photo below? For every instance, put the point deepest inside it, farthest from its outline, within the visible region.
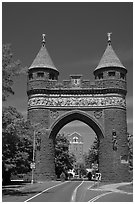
(16, 132)
(63, 159)
(10, 69)
(130, 147)
(16, 143)
(80, 169)
(92, 155)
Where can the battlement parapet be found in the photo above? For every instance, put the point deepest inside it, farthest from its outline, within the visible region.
(83, 84)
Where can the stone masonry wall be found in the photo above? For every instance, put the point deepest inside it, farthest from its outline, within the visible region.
(44, 159)
(109, 160)
(45, 166)
(39, 116)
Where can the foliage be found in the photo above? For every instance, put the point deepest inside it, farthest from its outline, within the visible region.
(16, 142)
(10, 69)
(63, 159)
(62, 176)
(92, 155)
(80, 169)
(16, 132)
(130, 146)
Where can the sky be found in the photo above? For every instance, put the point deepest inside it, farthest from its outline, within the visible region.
(76, 38)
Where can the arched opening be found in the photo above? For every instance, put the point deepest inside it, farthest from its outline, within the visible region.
(76, 115)
(81, 129)
(80, 139)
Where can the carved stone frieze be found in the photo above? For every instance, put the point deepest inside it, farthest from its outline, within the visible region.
(77, 102)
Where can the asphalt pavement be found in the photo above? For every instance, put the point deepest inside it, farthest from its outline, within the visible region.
(69, 191)
(118, 192)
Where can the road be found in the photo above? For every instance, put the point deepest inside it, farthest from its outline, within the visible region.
(69, 191)
(106, 194)
(81, 191)
(60, 193)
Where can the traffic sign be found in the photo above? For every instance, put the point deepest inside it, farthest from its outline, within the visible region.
(95, 166)
(32, 165)
(98, 176)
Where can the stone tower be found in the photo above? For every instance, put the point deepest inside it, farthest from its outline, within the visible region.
(76, 146)
(101, 105)
(41, 74)
(110, 76)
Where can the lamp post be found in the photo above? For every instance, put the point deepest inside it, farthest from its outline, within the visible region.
(33, 157)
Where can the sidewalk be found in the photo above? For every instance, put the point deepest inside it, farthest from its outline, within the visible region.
(20, 193)
(127, 188)
(118, 187)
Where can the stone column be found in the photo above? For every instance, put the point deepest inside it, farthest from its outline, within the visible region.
(45, 166)
(111, 151)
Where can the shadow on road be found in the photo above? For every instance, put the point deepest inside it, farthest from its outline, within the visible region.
(14, 192)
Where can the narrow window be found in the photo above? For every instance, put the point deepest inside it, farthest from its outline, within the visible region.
(40, 74)
(100, 76)
(111, 73)
(31, 76)
(122, 76)
(51, 76)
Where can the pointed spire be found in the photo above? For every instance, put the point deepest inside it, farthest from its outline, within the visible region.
(43, 59)
(109, 58)
(43, 39)
(109, 38)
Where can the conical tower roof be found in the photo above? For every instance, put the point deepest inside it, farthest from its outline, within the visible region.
(43, 59)
(109, 58)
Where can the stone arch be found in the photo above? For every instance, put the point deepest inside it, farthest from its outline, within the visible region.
(76, 115)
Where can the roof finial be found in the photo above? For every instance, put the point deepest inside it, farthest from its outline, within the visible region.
(109, 37)
(43, 39)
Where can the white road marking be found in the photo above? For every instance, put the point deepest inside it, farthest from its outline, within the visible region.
(44, 191)
(73, 198)
(99, 196)
(83, 194)
(89, 188)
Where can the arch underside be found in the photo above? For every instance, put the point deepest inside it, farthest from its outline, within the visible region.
(76, 115)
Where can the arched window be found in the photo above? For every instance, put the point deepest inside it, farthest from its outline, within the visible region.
(111, 74)
(30, 76)
(100, 76)
(40, 74)
(51, 76)
(122, 76)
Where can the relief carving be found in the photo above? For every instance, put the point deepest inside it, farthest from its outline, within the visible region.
(54, 114)
(77, 102)
(98, 114)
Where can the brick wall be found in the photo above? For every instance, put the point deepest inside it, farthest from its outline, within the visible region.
(45, 166)
(40, 116)
(109, 160)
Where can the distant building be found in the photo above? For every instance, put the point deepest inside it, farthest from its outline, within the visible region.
(76, 146)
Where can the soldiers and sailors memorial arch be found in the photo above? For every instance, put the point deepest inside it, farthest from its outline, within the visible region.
(100, 104)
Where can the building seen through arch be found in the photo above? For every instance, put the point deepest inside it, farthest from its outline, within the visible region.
(76, 146)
